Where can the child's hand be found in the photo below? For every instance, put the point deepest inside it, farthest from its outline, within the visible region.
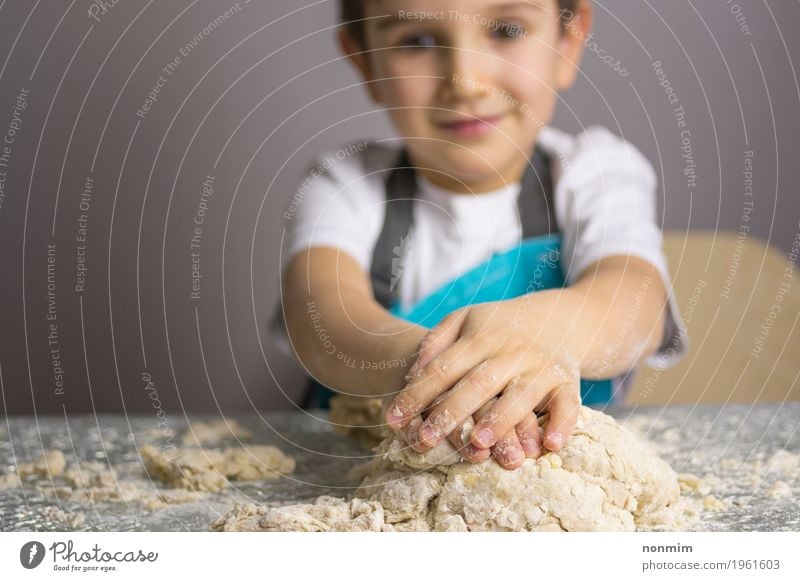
(510, 451)
(489, 350)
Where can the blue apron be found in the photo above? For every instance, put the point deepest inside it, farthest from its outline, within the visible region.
(534, 264)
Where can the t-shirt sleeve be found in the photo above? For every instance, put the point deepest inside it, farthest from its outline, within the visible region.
(607, 194)
(333, 205)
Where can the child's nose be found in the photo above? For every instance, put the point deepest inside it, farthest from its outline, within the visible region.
(470, 72)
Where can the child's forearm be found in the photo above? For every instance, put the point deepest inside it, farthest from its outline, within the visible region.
(610, 319)
(625, 307)
(350, 343)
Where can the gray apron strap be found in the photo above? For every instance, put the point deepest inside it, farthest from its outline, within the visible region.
(535, 206)
(537, 212)
(401, 187)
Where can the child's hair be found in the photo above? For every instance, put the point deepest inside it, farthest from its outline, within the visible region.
(352, 15)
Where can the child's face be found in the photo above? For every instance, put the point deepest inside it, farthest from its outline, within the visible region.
(494, 59)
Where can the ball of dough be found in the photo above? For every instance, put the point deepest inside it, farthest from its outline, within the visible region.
(604, 479)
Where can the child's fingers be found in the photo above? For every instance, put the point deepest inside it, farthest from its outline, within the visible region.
(459, 438)
(432, 344)
(410, 433)
(518, 399)
(530, 436)
(433, 381)
(437, 340)
(508, 452)
(481, 384)
(501, 452)
(470, 452)
(564, 406)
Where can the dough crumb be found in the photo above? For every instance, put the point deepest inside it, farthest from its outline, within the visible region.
(214, 432)
(10, 481)
(50, 463)
(209, 470)
(90, 482)
(89, 475)
(358, 417)
(72, 519)
(159, 499)
(192, 469)
(326, 514)
(692, 484)
(784, 464)
(779, 489)
(711, 502)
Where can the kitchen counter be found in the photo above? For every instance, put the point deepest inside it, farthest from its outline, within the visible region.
(735, 443)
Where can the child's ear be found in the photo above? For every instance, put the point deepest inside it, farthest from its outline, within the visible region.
(360, 60)
(577, 27)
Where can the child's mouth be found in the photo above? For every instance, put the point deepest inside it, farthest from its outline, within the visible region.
(471, 127)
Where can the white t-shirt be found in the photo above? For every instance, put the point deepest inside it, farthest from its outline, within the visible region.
(605, 204)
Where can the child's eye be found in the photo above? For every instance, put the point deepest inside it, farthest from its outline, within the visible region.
(418, 41)
(509, 30)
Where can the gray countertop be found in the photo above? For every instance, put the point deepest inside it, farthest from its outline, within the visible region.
(734, 442)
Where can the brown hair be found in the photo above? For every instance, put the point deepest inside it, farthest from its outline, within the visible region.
(352, 15)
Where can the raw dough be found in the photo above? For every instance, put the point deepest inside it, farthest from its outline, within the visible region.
(358, 417)
(604, 479)
(711, 502)
(88, 482)
(139, 492)
(784, 463)
(51, 462)
(157, 499)
(91, 482)
(327, 514)
(213, 432)
(194, 471)
(779, 489)
(192, 468)
(90, 475)
(72, 519)
(10, 481)
(209, 470)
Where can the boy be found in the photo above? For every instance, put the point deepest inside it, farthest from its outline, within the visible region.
(480, 197)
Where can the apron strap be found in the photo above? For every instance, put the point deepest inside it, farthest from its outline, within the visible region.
(401, 187)
(534, 204)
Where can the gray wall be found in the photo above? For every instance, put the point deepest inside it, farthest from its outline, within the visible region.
(133, 337)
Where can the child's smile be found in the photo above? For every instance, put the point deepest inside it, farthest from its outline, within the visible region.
(466, 126)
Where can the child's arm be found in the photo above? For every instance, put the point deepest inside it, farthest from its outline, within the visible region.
(337, 329)
(532, 351)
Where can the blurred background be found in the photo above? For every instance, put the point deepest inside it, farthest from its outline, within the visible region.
(101, 187)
